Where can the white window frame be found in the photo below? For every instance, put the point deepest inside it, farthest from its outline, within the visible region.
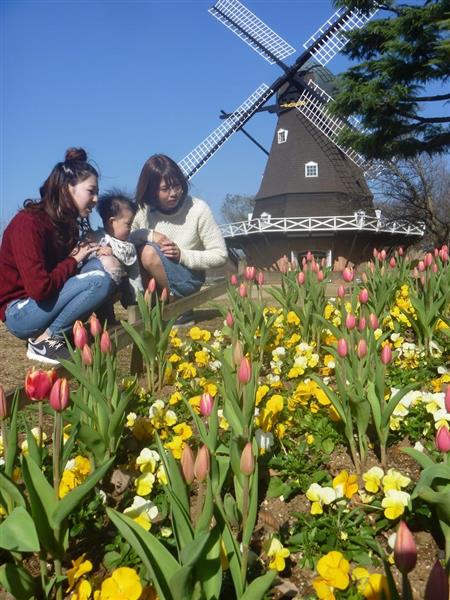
(308, 167)
(282, 136)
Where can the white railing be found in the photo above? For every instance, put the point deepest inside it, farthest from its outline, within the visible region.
(357, 222)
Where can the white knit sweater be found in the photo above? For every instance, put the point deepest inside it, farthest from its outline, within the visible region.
(193, 228)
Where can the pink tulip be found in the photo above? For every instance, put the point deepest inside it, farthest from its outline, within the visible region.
(229, 319)
(187, 464)
(201, 465)
(309, 256)
(400, 251)
(206, 404)
(4, 408)
(447, 399)
(434, 268)
(428, 260)
(80, 336)
(361, 350)
(436, 252)
(386, 354)
(443, 439)
(375, 253)
(234, 280)
(151, 287)
(444, 256)
(260, 278)
(383, 254)
(105, 343)
(350, 321)
(437, 587)
(342, 347)
(303, 262)
(341, 291)
(363, 296)
(362, 323)
(238, 353)
(86, 355)
(164, 295)
(421, 266)
(347, 275)
(301, 278)
(245, 371)
(242, 290)
(405, 550)
(59, 396)
(320, 276)
(250, 273)
(95, 325)
(373, 320)
(247, 464)
(392, 262)
(38, 383)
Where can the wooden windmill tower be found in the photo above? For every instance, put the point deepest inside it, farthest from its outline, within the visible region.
(313, 194)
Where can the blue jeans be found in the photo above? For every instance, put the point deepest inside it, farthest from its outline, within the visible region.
(81, 295)
(182, 281)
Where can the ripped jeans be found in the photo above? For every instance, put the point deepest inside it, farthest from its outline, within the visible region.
(81, 295)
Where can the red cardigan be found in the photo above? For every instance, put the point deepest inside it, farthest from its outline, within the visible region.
(32, 264)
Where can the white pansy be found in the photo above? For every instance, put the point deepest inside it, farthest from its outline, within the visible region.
(156, 408)
(139, 506)
(264, 439)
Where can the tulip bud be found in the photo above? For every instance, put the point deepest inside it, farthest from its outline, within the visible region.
(347, 275)
(303, 262)
(4, 408)
(234, 279)
(95, 325)
(361, 350)
(422, 280)
(362, 323)
(201, 466)
(86, 355)
(323, 262)
(164, 295)
(341, 291)
(364, 277)
(363, 296)
(309, 256)
(443, 439)
(151, 287)
(421, 266)
(400, 251)
(247, 465)
(373, 320)
(372, 270)
(447, 399)
(80, 336)
(444, 256)
(428, 259)
(38, 383)
(342, 347)
(260, 279)
(415, 273)
(250, 273)
(301, 278)
(434, 268)
(238, 353)
(242, 290)
(59, 396)
(392, 262)
(105, 343)
(314, 267)
(320, 276)
(187, 464)
(375, 253)
(386, 354)
(437, 587)
(245, 371)
(350, 321)
(229, 319)
(405, 550)
(383, 254)
(206, 404)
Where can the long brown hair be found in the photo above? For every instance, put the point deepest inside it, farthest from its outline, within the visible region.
(157, 167)
(56, 199)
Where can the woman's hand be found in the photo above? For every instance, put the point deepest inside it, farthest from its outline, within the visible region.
(171, 250)
(83, 250)
(160, 238)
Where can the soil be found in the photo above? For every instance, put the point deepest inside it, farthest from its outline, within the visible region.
(274, 513)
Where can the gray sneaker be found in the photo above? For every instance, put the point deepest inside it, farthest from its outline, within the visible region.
(49, 351)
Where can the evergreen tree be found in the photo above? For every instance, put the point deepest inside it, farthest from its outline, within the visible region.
(399, 89)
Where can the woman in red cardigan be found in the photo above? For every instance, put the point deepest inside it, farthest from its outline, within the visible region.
(43, 290)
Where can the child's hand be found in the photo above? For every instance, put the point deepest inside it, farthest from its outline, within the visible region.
(83, 249)
(104, 251)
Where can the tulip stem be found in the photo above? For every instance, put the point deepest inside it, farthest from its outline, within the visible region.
(245, 503)
(41, 426)
(407, 592)
(57, 430)
(4, 440)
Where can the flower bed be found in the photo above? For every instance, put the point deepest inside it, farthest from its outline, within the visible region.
(290, 450)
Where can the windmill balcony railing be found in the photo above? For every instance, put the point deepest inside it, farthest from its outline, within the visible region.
(356, 222)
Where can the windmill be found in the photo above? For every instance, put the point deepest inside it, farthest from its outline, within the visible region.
(313, 193)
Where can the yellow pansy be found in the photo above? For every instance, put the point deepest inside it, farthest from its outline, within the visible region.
(201, 358)
(79, 568)
(277, 553)
(131, 420)
(318, 496)
(124, 584)
(187, 370)
(170, 418)
(176, 445)
(210, 388)
(394, 503)
(183, 430)
(372, 479)
(261, 392)
(345, 484)
(292, 318)
(394, 480)
(147, 460)
(175, 398)
(82, 591)
(333, 569)
(195, 333)
(174, 358)
(144, 484)
(161, 475)
(275, 403)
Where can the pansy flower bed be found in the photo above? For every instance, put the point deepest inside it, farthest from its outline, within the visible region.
(301, 449)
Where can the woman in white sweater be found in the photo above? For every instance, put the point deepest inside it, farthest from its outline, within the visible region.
(185, 238)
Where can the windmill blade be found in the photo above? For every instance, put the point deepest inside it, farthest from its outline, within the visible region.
(332, 33)
(313, 105)
(195, 160)
(251, 30)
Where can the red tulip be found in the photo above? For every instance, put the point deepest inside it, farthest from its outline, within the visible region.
(443, 439)
(342, 347)
(437, 587)
(187, 464)
(242, 290)
(38, 383)
(386, 354)
(4, 408)
(86, 355)
(59, 396)
(229, 319)
(95, 325)
(247, 464)
(234, 279)
(347, 275)
(245, 371)
(80, 336)
(341, 291)
(250, 273)
(350, 321)
(405, 550)
(105, 343)
(201, 465)
(361, 350)
(363, 296)
(206, 404)
(301, 278)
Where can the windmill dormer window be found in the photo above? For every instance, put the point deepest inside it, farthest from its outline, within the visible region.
(282, 136)
(311, 169)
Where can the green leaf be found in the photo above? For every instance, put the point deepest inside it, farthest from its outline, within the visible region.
(423, 460)
(277, 487)
(258, 587)
(93, 442)
(12, 436)
(18, 533)
(9, 488)
(208, 569)
(18, 582)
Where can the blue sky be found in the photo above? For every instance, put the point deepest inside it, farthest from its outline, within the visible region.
(127, 79)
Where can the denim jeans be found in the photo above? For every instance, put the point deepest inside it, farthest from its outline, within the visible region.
(77, 299)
